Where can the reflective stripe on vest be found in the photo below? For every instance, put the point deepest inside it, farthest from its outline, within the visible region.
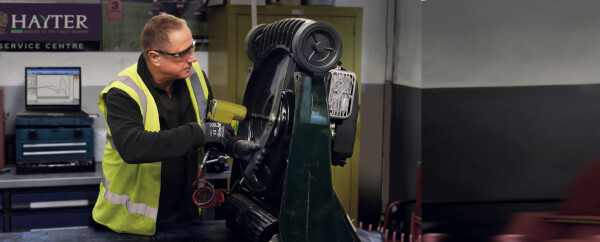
(132, 207)
(130, 83)
(197, 87)
(112, 143)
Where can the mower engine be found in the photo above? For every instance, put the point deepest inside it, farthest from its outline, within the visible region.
(309, 107)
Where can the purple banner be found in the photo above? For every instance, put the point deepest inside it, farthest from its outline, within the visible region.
(35, 25)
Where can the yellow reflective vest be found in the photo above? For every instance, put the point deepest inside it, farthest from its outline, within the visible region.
(129, 193)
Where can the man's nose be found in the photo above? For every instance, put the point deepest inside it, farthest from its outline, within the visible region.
(192, 58)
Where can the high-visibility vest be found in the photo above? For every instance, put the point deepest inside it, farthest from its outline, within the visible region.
(129, 193)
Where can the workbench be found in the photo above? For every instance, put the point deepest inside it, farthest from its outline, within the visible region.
(57, 200)
(197, 231)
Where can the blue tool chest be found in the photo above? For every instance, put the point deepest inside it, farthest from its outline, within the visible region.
(54, 145)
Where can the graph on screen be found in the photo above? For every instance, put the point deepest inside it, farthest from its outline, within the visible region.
(55, 87)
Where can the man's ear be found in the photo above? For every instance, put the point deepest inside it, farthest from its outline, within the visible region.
(154, 58)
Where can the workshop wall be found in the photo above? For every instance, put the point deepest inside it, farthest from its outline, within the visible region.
(510, 99)
(402, 107)
(510, 43)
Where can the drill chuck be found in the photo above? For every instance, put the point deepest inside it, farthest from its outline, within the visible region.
(258, 116)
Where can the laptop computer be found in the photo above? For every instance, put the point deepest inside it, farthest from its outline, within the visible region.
(52, 92)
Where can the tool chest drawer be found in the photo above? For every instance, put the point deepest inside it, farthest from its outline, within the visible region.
(63, 218)
(51, 209)
(45, 134)
(40, 143)
(53, 199)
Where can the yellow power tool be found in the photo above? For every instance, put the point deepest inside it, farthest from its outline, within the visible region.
(227, 112)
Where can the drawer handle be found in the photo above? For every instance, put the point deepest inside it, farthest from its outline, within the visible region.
(59, 228)
(44, 145)
(58, 152)
(59, 204)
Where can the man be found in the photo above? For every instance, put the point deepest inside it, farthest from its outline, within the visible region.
(155, 112)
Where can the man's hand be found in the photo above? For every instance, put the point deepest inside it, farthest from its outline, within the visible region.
(216, 135)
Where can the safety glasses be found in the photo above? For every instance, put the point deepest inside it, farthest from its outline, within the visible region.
(183, 53)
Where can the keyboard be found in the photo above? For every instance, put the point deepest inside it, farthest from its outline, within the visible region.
(38, 114)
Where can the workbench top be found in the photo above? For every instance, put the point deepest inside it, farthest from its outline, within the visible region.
(12, 180)
(197, 231)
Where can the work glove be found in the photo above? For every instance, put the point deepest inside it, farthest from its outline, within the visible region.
(216, 135)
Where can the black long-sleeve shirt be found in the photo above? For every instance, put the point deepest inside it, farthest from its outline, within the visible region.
(176, 145)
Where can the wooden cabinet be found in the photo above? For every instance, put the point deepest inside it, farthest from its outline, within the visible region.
(229, 64)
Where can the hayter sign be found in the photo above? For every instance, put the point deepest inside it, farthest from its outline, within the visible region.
(50, 27)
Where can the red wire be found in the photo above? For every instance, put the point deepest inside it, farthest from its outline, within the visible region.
(387, 213)
(207, 196)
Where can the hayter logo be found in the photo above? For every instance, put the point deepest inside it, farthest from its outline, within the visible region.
(50, 22)
(40, 24)
(54, 21)
(50, 27)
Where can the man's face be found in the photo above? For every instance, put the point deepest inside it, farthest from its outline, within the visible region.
(182, 43)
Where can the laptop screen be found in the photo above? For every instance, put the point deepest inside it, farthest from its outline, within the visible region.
(56, 88)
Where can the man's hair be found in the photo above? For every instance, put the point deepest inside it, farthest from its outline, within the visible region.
(155, 33)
